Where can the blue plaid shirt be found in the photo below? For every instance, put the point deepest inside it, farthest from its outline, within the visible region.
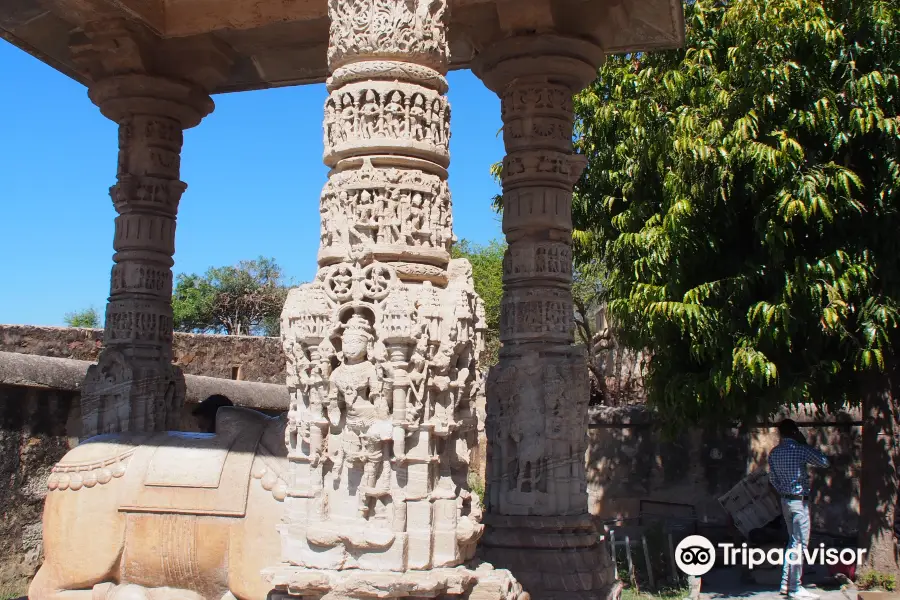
(787, 466)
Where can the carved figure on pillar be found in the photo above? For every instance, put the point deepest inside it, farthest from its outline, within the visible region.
(537, 394)
(387, 503)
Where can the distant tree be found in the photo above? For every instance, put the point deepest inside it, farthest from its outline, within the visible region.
(83, 318)
(487, 271)
(245, 299)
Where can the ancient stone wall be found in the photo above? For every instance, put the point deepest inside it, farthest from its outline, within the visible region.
(33, 437)
(247, 358)
(631, 467)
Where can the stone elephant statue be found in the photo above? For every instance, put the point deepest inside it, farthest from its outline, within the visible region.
(168, 515)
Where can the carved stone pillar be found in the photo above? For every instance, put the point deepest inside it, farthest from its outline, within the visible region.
(139, 84)
(381, 347)
(538, 393)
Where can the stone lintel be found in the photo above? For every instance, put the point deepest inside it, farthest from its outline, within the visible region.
(277, 43)
(119, 47)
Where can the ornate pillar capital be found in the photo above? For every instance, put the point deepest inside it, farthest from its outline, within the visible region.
(120, 96)
(552, 59)
(133, 71)
(414, 32)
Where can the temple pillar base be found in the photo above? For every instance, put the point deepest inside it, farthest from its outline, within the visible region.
(474, 581)
(122, 393)
(553, 558)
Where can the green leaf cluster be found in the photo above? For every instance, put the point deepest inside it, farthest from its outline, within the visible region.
(741, 200)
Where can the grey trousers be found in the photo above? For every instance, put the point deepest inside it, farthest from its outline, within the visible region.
(796, 517)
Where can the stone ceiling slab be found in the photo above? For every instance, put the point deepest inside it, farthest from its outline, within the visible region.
(283, 42)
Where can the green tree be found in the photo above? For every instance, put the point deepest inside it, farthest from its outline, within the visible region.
(487, 272)
(245, 299)
(83, 318)
(743, 196)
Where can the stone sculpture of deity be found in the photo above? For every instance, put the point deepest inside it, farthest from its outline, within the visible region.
(358, 396)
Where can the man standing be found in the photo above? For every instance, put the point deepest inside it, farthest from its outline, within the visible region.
(788, 475)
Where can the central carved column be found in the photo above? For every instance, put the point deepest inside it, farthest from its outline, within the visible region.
(382, 346)
(537, 518)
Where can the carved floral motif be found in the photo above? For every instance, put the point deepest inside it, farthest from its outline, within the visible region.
(529, 99)
(536, 313)
(411, 30)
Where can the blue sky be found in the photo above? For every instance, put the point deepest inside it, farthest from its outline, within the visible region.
(254, 172)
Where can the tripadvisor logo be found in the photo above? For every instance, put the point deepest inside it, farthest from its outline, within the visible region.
(695, 555)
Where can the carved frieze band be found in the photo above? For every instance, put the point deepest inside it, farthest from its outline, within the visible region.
(537, 209)
(409, 30)
(386, 211)
(532, 99)
(387, 70)
(370, 117)
(526, 261)
(408, 271)
(536, 314)
(537, 117)
(542, 167)
(132, 277)
(138, 321)
(150, 146)
(147, 194)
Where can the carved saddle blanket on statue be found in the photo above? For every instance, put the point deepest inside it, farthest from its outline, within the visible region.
(196, 473)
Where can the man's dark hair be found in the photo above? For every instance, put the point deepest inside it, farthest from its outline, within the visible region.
(788, 428)
(211, 405)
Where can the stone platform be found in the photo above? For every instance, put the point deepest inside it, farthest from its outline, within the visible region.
(473, 582)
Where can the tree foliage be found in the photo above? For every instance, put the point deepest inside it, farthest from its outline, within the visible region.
(743, 193)
(487, 272)
(245, 299)
(743, 196)
(83, 318)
